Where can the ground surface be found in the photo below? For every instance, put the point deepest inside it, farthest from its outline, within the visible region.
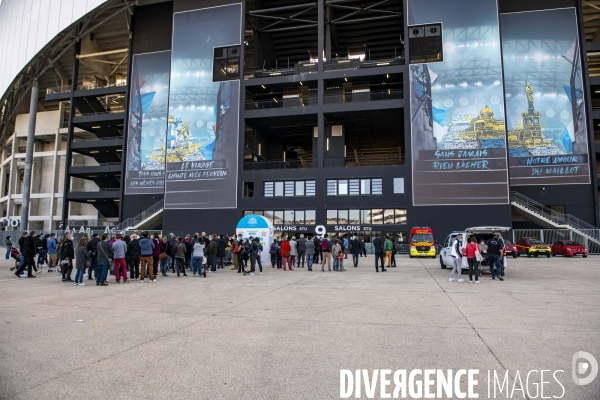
(286, 335)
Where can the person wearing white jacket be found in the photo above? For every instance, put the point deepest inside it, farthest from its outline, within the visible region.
(457, 251)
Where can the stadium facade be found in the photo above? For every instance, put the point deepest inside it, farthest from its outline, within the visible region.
(362, 116)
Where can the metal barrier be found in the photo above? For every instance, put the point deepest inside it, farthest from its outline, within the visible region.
(364, 97)
(278, 164)
(549, 236)
(282, 103)
(147, 213)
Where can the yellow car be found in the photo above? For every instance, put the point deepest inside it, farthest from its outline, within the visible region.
(533, 247)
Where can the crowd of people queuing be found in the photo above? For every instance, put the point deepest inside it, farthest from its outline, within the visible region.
(142, 255)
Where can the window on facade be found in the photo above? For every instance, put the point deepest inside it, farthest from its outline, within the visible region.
(226, 63)
(367, 217)
(398, 185)
(425, 43)
(354, 187)
(354, 217)
(311, 217)
(342, 217)
(248, 190)
(289, 188)
(331, 217)
(287, 217)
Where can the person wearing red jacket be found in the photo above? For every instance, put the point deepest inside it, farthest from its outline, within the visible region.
(156, 252)
(472, 249)
(285, 254)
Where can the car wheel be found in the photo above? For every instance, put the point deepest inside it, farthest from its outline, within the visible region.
(584, 256)
(442, 263)
(410, 256)
(536, 254)
(548, 255)
(528, 254)
(515, 255)
(564, 253)
(553, 254)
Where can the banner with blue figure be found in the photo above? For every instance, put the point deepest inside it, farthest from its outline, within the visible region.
(203, 131)
(147, 123)
(545, 102)
(457, 113)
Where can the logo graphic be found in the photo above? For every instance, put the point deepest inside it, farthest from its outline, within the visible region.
(582, 364)
(252, 221)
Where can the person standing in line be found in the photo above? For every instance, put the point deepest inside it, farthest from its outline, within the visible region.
(273, 248)
(502, 256)
(457, 251)
(52, 249)
(364, 247)
(180, 250)
(293, 251)
(239, 252)
(318, 251)
(301, 250)
(378, 249)
(82, 258)
(9, 245)
(146, 250)
(356, 250)
(325, 253)
(388, 247)
(493, 249)
(197, 257)
(397, 250)
(105, 253)
(310, 253)
(285, 254)
(279, 258)
(156, 253)
(67, 253)
(119, 251)
(336, 250)
(134, 253)
(255, 249)
(472, 249)
(92, 249)
(166, 250)
(172, 243)
(221, 245)
(21, 247)
(212, 251)
(27, 252)
(234, 245)
(345, 243)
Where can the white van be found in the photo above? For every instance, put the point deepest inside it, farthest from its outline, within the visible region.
(485, 232)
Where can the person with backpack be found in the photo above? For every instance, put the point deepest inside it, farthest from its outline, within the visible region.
(180, 250)
(273, 248)
(67, 254)
(285, 254)
(310, 253)
(293, 251)
(104, 255)
(255, 249)
(197, 257)
(318, 251)
(457, 251)
(52, 249)
(325, 253)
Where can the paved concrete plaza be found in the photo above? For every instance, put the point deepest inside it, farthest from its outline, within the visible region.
(287, 335)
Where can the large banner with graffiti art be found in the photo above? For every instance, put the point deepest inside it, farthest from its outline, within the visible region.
(203, 131)
(457, 113)
(147, 123)
(545, 102)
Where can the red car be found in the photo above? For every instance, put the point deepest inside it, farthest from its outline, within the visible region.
(568, 248)
(510, 249)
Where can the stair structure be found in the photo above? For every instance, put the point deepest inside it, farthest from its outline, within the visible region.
(147, 219)
(549, 218)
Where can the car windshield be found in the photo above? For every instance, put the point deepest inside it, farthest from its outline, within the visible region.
(572, 244)
(507, 242)
(535, 241)
(422, 238)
